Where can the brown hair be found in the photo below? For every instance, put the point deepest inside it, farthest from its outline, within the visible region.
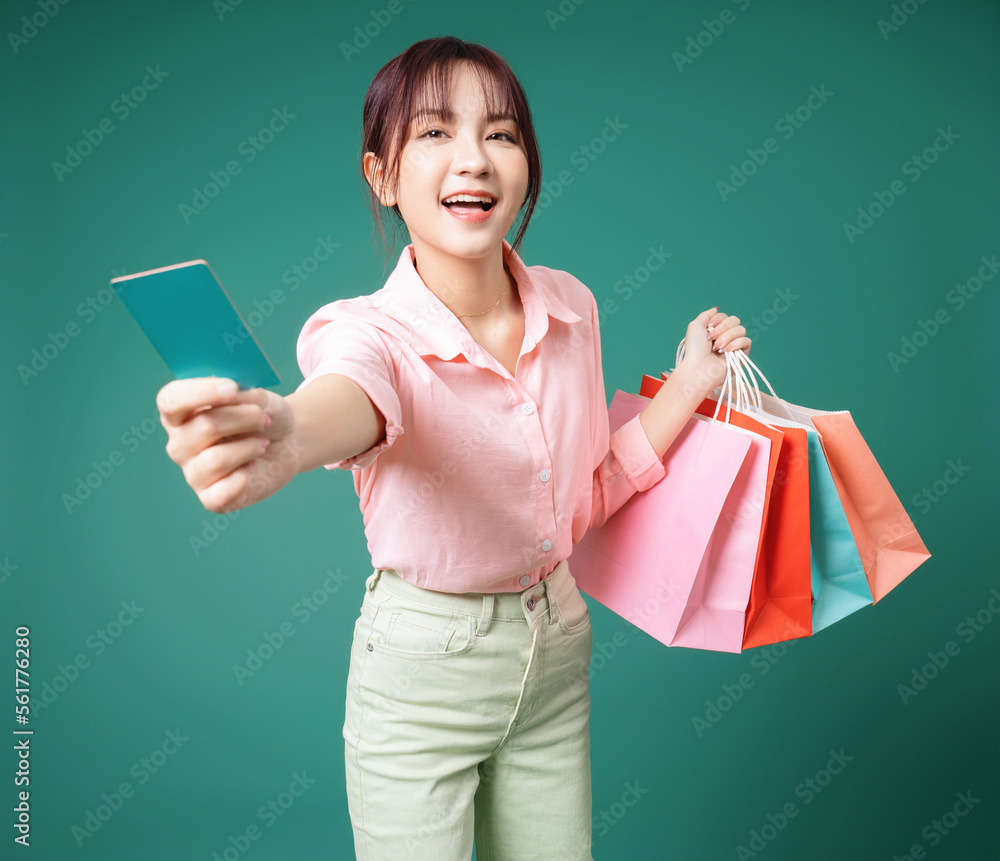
(425, 67)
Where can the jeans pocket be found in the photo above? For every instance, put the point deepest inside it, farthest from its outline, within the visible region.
(574, 615)
(418, 632)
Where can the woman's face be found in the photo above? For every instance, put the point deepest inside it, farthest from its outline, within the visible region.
(464, 150)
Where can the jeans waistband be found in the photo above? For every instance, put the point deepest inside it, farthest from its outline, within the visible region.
(487, 606)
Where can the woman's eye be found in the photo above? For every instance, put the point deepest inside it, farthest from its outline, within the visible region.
(507, 136)
(433, 134)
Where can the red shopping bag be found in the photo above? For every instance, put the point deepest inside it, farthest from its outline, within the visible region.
(780, 603)
(677, 560)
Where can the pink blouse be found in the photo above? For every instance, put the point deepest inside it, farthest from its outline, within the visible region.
(483, 481)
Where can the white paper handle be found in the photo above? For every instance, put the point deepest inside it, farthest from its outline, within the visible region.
(740, 388)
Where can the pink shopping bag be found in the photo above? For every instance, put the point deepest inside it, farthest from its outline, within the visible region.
(677, 560)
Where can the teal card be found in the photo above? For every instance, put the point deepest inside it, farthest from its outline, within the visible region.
(194, 325)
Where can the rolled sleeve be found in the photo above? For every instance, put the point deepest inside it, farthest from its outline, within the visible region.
(636, 455)
(328, 345)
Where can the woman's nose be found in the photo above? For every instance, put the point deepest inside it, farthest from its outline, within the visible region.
(470, 155)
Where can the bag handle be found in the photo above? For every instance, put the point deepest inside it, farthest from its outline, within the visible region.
(740, 388)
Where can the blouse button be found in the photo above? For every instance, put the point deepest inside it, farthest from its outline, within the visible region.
(544, 475)
(527, 409)
(546, 545)
(525, 580)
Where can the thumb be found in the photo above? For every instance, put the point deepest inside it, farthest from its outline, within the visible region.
(697, 337)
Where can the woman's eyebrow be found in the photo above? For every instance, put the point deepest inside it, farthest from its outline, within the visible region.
(446, 115)
(443, 114)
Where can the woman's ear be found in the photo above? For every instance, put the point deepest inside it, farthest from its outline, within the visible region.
(373, 173)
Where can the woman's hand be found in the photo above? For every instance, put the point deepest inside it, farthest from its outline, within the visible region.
(235, 448)
(709, 335)
(702, 369)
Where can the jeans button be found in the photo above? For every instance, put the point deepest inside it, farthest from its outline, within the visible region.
(531, 603)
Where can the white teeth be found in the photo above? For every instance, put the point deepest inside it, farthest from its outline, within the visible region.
(467, 198)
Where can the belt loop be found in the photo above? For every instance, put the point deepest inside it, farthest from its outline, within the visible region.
(487, 615)
(551, 594)
(376, 574)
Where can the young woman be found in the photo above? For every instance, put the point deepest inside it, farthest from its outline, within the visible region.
(467, 398)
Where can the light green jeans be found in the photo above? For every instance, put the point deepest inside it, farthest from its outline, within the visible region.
(468, 717)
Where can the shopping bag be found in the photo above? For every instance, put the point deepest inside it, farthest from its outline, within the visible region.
(839, 585)
(784, 590)
(677, 560)
(780, 603)
(887, 540)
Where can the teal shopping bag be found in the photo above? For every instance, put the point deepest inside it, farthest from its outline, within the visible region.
(839, 584)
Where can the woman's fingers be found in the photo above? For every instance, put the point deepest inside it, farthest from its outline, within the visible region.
(727, 334)
(178, 399)
(212, 425)
(215, 464)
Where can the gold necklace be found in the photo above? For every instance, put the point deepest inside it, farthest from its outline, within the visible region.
(487, 311)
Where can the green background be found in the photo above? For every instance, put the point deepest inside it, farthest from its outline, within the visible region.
(825, 313)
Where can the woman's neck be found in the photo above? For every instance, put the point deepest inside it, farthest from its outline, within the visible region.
(466, 286)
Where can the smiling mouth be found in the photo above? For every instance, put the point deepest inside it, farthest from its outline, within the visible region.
(470, 205)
